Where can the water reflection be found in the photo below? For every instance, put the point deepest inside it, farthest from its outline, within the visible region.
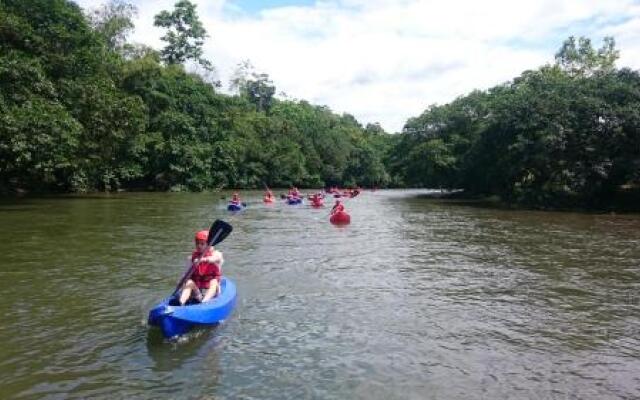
(167, 355)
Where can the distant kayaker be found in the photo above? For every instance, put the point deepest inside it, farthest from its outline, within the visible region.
(294, 192)
(316, 200)
(235, 199)
(268, 196)
(338, 207)
(204, 282)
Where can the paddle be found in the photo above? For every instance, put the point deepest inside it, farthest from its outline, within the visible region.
(266, 187)
(218, 232)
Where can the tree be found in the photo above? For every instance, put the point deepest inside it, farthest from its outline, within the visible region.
(260, 91)
(114, 21)
(581, 59)
(256, 87)
(185, 34)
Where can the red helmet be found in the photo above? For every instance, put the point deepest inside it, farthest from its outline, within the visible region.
(202, 235)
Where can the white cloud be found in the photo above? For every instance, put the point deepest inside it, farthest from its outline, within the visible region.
(385, 60)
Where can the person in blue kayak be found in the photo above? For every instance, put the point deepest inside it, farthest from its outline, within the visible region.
(235, 199)
(294, 193)
(204, 282)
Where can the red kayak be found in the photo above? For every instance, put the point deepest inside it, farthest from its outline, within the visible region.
(318, 203)
(340, 218)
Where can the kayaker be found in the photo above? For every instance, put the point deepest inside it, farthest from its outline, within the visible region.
(204, 282)
(338, 207)
(235, 199)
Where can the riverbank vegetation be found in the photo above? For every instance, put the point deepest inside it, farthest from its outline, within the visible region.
(81, 109)
(565, 135)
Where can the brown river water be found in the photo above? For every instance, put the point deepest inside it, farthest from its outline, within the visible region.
(416, 299)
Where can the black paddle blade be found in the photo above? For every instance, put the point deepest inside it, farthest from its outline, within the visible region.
(218, 232)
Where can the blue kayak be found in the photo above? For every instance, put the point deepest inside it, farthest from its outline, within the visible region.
(234, 207)
(178, 320)
(294, 201)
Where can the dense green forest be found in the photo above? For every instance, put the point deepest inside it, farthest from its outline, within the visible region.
(82, 109)
(564, 135)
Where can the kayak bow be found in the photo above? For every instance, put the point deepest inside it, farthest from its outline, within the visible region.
(340, 218)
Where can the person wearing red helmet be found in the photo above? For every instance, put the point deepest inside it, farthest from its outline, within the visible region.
(337, 207)
(204, 282)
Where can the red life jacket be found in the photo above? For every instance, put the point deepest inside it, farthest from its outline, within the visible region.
(205, 272)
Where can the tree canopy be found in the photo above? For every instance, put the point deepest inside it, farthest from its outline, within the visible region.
(82, 109)
(564, 135)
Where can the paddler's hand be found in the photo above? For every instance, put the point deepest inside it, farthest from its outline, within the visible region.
(216, 258)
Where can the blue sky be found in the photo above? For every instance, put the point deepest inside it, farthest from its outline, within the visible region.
(387, 60)
(254, 6)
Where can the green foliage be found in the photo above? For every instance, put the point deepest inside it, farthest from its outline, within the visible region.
(38, 140)
(112, 125)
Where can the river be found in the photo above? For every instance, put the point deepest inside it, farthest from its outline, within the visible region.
(416, 299)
